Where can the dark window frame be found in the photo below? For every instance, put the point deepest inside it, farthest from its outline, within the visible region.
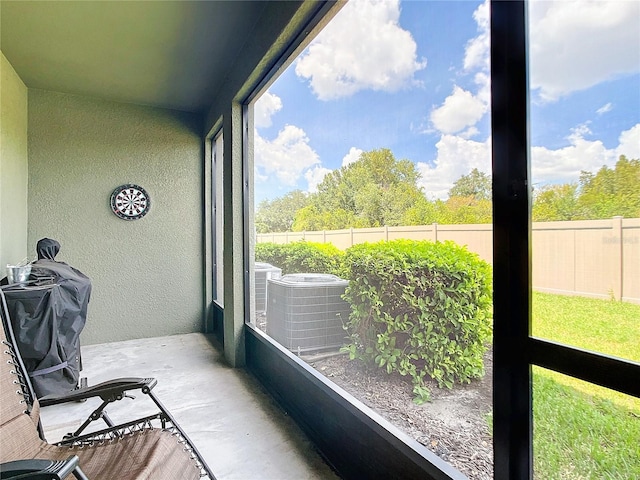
(216, 191)
(214, 316)
(515, 349)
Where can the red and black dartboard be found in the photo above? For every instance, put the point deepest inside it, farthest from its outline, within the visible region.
(130, 202)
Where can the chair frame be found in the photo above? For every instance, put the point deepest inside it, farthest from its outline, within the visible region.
(42, 469)
(109, 392)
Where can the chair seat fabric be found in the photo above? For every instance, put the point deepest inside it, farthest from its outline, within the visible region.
(145, 455)
(139, 456)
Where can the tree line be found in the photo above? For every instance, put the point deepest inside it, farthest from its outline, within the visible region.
(379, 190)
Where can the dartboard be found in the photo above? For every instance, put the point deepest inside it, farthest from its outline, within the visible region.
(130, 202)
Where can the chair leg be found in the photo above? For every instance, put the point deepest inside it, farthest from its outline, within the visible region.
(79, 474)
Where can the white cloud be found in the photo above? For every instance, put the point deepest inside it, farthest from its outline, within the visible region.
(476, 55)
(483, 80)
(470, 132)
(579, 132)
(575, 45)
(605, 108)
(565, 164)
(286, 157)
(352, 156)
(363, 47)
(457, 156)
(315, 176)
(629, 143)
(264, 108)
(461, 109)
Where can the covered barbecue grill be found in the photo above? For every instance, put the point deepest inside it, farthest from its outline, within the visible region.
(47, 315)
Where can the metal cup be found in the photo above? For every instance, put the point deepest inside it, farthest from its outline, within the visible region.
(18, 274)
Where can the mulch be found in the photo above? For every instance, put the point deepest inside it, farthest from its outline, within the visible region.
(453, 425)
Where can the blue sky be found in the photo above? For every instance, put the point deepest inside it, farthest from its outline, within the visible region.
(413, 76)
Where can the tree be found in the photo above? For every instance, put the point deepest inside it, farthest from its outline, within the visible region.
(373, 191)
(423, 212)
(277, 215)
(605, 194)
(310, 218)
(611, 191)
(556, 203)
(465, 210)
(475, 184)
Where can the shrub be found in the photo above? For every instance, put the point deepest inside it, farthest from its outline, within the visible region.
(301, 257)
(273, 253)
(419, 308)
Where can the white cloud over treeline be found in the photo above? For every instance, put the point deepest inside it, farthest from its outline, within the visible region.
(286, 157)
(456, 119)
(565, 164)
(573, 46)
(457, 156)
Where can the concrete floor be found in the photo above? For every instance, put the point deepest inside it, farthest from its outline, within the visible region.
(236, 426)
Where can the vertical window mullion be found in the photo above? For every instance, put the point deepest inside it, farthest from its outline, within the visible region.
(214, 222)
(247, 206)
(512, 421)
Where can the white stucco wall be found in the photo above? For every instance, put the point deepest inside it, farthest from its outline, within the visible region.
(147, 274)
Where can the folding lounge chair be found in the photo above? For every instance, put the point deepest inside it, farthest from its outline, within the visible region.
(152, 447)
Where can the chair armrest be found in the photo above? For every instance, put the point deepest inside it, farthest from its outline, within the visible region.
(108, 391)
(37, 469)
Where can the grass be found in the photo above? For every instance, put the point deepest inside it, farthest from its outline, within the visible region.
(580, 436)
(583, 431)
(604, 326)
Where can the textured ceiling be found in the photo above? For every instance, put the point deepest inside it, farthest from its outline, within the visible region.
(167, 54)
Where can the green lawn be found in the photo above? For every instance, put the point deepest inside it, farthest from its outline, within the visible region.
(600, 325)
(580, 436)
(605, 326)
(583, 431)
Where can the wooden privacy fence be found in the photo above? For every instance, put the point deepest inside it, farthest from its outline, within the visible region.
(591, 258)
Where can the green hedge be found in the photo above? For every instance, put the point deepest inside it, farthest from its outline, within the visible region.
(419, 308)
(301, 257)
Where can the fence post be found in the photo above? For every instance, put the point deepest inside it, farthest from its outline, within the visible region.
(386, 233)
(617, 257)
(435, 232)
(351, 235)
(324, 236)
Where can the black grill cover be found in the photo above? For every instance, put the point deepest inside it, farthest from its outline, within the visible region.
(47, 318)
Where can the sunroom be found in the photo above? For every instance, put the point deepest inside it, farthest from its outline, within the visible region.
(97, 95)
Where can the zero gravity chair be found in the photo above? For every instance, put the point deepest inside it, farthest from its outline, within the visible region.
(152, 447)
